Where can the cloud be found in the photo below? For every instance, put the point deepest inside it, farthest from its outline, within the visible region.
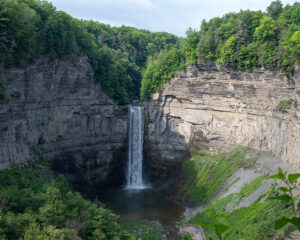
(145, 3)
(111, 22)
(173, 16)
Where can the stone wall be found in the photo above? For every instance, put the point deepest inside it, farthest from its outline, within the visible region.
(214, 107)
(54, 107)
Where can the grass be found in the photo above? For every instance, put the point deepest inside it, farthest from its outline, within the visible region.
(253, 222)
(250, 188)
(227, 188)
(144, 230)
(186, 237)
(283, 105)
(205, 175)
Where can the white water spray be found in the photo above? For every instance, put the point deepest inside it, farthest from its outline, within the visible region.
(135, 148)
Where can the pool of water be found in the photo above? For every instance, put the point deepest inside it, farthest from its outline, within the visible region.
(146, 204)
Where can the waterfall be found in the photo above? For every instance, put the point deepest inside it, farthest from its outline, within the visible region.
(135, 148)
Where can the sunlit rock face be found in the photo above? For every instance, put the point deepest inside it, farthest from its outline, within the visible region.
(215, 106)
(62, 113)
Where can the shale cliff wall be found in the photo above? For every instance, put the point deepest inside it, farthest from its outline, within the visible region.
(216, 106)
(54, 107)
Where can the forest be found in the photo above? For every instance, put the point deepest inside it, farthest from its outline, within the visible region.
(245, 40)
(31, 29)
(131, 63)
(32, 207)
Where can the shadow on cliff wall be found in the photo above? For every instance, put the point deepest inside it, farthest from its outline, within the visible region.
(164, 149)
(88, 173)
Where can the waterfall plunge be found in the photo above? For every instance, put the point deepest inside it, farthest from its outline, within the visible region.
(135, 148)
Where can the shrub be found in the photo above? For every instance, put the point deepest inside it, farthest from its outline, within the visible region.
(283, 105)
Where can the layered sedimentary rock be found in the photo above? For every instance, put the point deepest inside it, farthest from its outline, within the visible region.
(215, 106)
(55, 108)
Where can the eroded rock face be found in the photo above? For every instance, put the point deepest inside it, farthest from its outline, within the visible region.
(211, 106)
(56, 108)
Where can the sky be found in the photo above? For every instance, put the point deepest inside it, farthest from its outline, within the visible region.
(174, 16)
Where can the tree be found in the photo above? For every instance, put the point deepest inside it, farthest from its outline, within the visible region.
(190, 46)
(229, 50)
(266, 30)
(274, 9)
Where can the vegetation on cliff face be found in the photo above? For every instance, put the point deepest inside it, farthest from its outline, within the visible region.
(130, 62)
(30, 29)
(283, 105)
(32, 208)
(205, 175)
(254, 221)
(244, 40)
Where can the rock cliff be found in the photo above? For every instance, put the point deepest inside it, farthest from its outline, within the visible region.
(54, 107)
(215, 107)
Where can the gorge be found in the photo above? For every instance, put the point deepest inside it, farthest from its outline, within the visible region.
(117, 133)
(65, 116)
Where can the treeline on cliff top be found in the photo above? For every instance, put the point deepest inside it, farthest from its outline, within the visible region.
(245, 40)
(30, 29)
(130, 63)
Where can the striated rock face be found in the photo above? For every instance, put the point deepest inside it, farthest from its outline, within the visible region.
(211, 106)
(64, 115)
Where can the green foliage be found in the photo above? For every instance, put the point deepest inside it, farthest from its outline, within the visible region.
(246, 40)
(190, 46)
(212, 221)
(292, 51)
(127, 61)
(205, 175)
(290, 195)
(30, 29)
(143, 230)
(33, 209)
(252, 39)
(228, 51)
(186, 237)
(160, 69)
(248, 58)
(266, 31)
(274, 9)
(283, 105)
(253, 222)
(248, 189)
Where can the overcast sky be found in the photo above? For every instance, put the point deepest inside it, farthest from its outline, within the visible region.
(173, 16)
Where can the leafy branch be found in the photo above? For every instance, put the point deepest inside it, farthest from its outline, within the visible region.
(288, 191)
(213, 221)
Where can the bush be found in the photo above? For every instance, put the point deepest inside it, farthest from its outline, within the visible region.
(283, 105)
(32, 208)
(187, 237)
(161, 69)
